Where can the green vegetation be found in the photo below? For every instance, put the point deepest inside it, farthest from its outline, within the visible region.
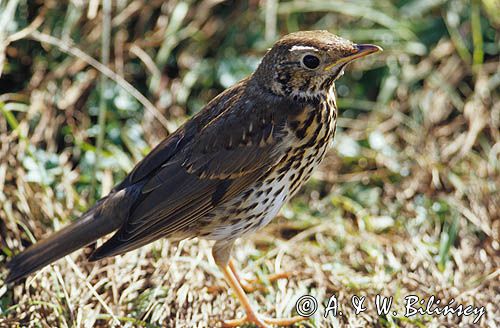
(406, 202)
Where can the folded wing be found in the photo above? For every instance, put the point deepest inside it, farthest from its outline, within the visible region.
(215, 156)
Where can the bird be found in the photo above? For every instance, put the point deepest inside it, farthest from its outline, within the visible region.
(227, 171)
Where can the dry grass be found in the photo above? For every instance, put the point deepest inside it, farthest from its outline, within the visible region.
(407, 201)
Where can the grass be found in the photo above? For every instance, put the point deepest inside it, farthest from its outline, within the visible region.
(406, 202)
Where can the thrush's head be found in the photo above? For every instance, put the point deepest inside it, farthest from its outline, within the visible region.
(305, 64)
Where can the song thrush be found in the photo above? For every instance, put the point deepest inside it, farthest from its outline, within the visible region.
(228, 170)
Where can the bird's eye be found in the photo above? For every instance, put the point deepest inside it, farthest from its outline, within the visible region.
(310, 61)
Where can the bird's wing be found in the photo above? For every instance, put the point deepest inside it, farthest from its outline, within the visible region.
(226, 153)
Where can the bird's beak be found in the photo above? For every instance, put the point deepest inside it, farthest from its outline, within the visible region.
(361, 50)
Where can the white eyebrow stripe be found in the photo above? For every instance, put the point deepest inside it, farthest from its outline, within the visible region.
(303, 48)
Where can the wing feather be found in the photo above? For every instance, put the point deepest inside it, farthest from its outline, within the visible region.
(215, 156)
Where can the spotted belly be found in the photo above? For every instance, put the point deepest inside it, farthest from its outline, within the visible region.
(262, 201)
(257, 206)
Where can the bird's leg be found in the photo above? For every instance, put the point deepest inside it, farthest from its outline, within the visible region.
(249, 284)
(249, 288)
(221, 253)
(251, 314)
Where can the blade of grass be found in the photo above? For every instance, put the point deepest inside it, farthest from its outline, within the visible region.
(477, 36)
(271, 9)
(105, 51)
(451, 21)
(170, 40)
(448, 236)
(11, 119)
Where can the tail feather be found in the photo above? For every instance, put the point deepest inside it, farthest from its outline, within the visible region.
(90, 227)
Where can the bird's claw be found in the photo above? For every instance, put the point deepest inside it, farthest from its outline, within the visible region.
(251, 285)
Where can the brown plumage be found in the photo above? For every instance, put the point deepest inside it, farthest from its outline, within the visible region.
(228, 170)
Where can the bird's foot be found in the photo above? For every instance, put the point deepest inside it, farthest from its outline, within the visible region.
(262, 322)
(229, 270)
(251, 285)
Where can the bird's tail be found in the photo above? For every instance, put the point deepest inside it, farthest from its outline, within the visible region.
(90, 227)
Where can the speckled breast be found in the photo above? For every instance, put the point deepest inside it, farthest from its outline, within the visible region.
(310, 134)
